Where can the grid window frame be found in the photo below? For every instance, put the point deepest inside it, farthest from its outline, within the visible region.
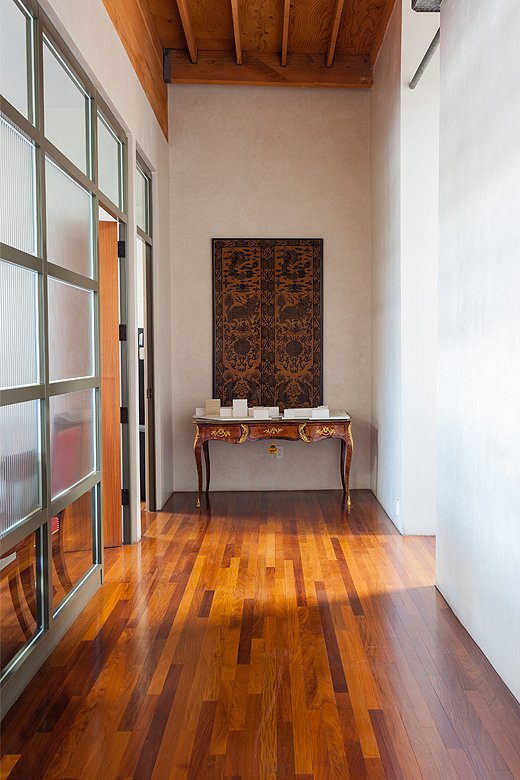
(41, 31)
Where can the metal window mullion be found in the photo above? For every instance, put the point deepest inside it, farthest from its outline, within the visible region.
(77, 490)
(146, 238)
(18, 257)
(45, 567)
(71, 277)
(123, 357)
(12, 536)
(64, 386)
(20, 120)
(19, 395)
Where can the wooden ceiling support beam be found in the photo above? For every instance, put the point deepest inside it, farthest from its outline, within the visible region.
(236, 31)
(334, 32)
(184, 13)
(285, 31)
(381, 30)
(265, 69)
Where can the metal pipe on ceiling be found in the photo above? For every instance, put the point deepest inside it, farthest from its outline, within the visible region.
(432, 48)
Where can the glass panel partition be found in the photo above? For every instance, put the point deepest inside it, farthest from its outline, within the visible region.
(18, 190)
(67, 109)
(19, 337)
(72, 423)
(71, 331)
(16, 56)
(69, 221)
(109, 162)
(20, 455)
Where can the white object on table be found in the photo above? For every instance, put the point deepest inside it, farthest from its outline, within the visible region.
(240, 407)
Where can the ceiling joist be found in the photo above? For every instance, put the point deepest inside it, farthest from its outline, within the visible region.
(334, 32)
(285, 30)
(265, 69)
(236, 31)
(184, 13)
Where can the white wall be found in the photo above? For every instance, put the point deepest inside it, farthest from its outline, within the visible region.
(404, 174)
(419, 270)
(385, 162)
(86, 28)
(264, 162)
(478, 557)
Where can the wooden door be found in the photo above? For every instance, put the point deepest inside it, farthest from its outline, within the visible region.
(110, 384)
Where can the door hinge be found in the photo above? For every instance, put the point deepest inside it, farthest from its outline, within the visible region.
(123, 414)
(122, 333)
(121, 248)
(148, 393)
(125, 497)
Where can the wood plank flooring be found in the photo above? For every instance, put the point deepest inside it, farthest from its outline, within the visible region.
(271, 636)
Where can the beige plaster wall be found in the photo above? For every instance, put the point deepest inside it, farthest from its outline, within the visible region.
(266, 162)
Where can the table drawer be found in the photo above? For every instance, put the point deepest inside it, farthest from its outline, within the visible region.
(273, 430)
(230, 433)
(322, 430)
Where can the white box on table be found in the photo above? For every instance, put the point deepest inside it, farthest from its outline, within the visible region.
(261, 413)
(320, 413)
(200, 411)
(240, 407)
(226, 411)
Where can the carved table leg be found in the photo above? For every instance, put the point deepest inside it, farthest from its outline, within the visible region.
(342, 463)
(196, 451)
(205, 447)
(348, 460)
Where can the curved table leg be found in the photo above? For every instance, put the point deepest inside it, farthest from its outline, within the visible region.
(342, 463)
(348, 460)
(198, 461)
(205, 447)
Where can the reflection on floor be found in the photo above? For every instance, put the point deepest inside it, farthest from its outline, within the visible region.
(272, 635)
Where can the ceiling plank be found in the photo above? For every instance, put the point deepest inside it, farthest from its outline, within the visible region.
(334, 32)
(265, 69)
(381, 30)
(236, 31)
(184, 13)
(285, 31)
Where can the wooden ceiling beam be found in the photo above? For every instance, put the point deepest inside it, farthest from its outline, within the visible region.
(236, 31)
(184, 13)
(334, 32)
(265, 69)
(381, 30)
(285, 31)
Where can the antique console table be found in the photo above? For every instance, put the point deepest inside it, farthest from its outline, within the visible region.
(237, 431)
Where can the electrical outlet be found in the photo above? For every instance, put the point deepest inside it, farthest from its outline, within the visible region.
(279, 454)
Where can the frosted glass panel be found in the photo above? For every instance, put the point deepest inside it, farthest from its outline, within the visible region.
(109, 162)
(17, 190)
(72, 439)
(69, 221)
(19, 462)
(142, 196)
(66, 110)
(72, 546)
(71, 330)
(18, 604)
(13, 56)
(19, 354)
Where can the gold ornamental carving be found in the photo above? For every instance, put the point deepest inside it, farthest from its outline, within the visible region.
(244, 434)
(220, 433)
(303, 433)
(272, 431)
(326, 431)
(197, 436)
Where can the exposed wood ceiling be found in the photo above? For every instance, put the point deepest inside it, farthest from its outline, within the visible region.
(323, 43)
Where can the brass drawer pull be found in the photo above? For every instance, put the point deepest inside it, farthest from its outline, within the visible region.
(326, 431)
(272, 431)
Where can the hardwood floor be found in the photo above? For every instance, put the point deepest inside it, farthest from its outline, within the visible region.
(273, 636)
